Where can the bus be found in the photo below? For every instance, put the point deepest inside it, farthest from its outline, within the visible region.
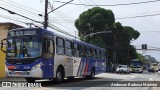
(136, 65)
(36, 53)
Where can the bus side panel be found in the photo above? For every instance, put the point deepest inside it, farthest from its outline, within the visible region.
(80, 69)
(76, 65)
(58, 60)
(85, 67)
(101, 66)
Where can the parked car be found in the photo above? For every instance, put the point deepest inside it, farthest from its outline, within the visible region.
(123, 69)
(159, 72)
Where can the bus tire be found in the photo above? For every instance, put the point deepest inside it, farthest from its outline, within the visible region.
(30, 80)
(92, 74)
(59, 74)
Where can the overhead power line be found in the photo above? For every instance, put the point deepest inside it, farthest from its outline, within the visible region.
(139, 16)
(11, 12)
(14, 19)
(122, 4)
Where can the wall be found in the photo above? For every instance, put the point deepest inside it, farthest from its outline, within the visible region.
(2, 64)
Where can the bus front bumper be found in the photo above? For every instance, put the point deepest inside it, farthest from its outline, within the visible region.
(36, 73)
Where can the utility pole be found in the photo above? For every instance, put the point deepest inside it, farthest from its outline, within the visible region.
(46, 15)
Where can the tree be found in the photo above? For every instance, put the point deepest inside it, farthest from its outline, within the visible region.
(117, 43)
(94, 20)
(132, 34)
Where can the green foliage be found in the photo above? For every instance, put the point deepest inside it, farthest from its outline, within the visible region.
(132, 34)
(99, 19)
(94, 20)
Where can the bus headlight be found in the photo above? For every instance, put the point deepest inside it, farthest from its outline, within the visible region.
(36, 66)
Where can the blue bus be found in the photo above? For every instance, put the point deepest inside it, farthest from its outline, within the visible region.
(36, 53)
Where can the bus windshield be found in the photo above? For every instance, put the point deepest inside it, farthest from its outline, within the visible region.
(24, 47)
(136, 64)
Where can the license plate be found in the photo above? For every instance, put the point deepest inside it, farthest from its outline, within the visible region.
(18, 73)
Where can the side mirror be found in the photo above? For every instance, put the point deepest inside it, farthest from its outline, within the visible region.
(2, 45)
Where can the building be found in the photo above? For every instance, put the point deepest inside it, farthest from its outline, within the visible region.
(4, 28)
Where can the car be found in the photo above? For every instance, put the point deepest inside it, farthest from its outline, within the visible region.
(123, 69)
(158, 71)
(151, 70)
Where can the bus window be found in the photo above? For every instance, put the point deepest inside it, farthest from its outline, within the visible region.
(48, 48)
(60, 46)
(82, 51)
(68, 48)
(98, 56)
(75, 50)
(93, 53)
(51, 47)
(88, 49)
(103, 55)
(85, 51)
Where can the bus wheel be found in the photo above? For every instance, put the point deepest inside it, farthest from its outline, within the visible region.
(30, 80)
(92, 74)
(59, 75)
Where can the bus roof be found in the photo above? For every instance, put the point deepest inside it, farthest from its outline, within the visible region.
(62, 36)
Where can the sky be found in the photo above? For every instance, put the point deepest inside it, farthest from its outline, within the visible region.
(64, 17)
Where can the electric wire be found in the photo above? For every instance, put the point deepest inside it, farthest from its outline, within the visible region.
(121, 4)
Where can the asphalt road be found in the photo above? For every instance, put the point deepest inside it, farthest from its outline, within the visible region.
(104, 81)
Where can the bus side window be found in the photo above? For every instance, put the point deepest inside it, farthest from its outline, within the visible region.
(75, 51)
(82, 51)
(48, 48)
(96, 52)
(98, 55)
(104, 55)
(60, 46)
(88, 52)
(93, 53)
(95, 56)
(85, 51)
(68, 48)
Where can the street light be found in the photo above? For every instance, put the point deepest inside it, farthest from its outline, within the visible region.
(91, 34)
